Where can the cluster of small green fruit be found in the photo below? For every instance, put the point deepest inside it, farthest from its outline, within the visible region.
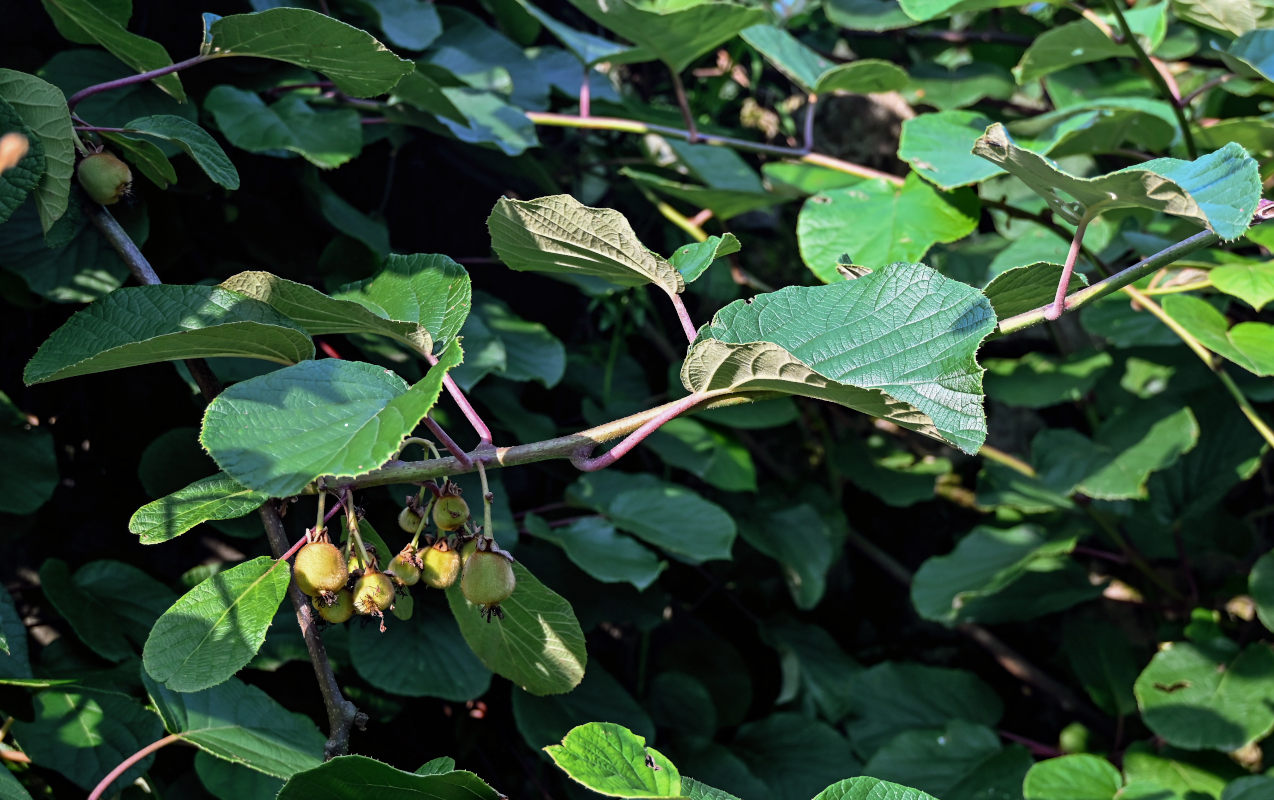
(343, 582)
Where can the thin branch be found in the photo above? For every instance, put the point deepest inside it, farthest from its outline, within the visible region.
(1206, 87)
(446, 440)
(807, 139)
(141, 77)
(123, 766)
(692, 132)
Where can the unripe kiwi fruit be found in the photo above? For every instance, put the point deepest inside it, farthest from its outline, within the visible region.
(356, 559)
(487, 579)
(319, 567)
(406, 566)
(469, 548)
(409, 520)
(340, 610)
(441, 565)
(104, 177)
(374, 592)
(451, 512)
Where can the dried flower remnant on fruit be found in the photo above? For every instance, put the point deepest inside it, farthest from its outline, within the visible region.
(335, 608)
(405, 567)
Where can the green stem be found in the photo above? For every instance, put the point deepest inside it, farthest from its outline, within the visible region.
(487, 499)
(1011, 461)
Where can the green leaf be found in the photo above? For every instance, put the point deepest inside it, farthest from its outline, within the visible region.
(164, 322)
(429, 290)
(1037, 380)
(878, 223)
(1125, 449)
(958, 586)
(680, 702)
(1248, 344)
(29, 470)
(42, 109)
(509, 346)
(724, 202)
(146, 157)
(1208, 696)
(18, 180)
(676, 33)
(216, 627)
(215, 497)
(489, 121)
(1082, 42)
(1219, 190)
(118, 10)
(79, 267)
(228, 781)
(960, 762)
(614, 761)
(930, 143)
(894, 696)
(1022, 289)
(1073, 777)
(544, 721)
(793, 754)
(892, 473)
(1250, 787)
(538, 644)
(358, 64)
(410, 24)
(717, 458)
(1187, 775)
(693, 260)
(16, 662)
(326, 138)
(241, 724)
(864, 76)
(935, 84)
(904, 338)
(674, 519)
(804, 559)
(1232, 18)
(1261, 587)
(354, 777)
(586, 47)
(867, 15)
(1250, 281)
(812, 660)
(423, 657)
(924, 10)
(593, 545)
(558, 234)
(1252, 54)
(277, 432)
(815, 74)
(83, 735)
(193, 139)
(1105, 661)
(865, 788)
(109, 604)
(138, 52)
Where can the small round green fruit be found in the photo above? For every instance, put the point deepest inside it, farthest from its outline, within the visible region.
(319, 567)
(405, 567)
(341, 609)
(487, 579)
(441, 565)
(409, 520)
(104, 177)
(451, 512)
(373, 593)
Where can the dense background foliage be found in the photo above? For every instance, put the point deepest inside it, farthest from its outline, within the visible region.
(828, 594)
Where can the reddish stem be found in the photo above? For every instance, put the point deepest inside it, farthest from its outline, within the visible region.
(141, 77)
(484, 433)
(687, 324)
(1038, 749)
(582, 462)
(124, 765)
(447, 441)
(1055, 311)
(585, 102)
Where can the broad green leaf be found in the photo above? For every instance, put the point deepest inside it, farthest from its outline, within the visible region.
(118, 10)
(229, 781)
(1252, 54)
(1248, 344)
(693, 260)
(956, 587)
(16, 662)
(11, 788)
(586, 47)
(1022, 289)
(165, 322)
(42, 109)
(898, 343)
(1037, 380)
(1072, 777)
(930, 143)
(1209, 696)
(773, 412)
(1250, 281)
(558, 234)
(1219, 190)
(18, 180)
(277, 432)
(1105, 661)
(320, 314)
(1082, 42)
(73, 70)
(680, 702)
(812, 660)
(489, 121)
(962, 761)
(538, 644)
(138, 52)
(695, 790)
(1230, 17)
(865, 76)
(508, 346)
(109, 604)
(804, 559)
(815, 74)
(410, 24)
(724, 202)
(867, 15)
(675, 31)
(241, 724)
(1186, 775)
(892, 473)
(1261, 587)
(1250, 787)
(326, 138)
(612, 760)
(544, 721)
(193, 139)
(345, 217)
(215, 497)
(943, 87)
(358, 64)
(430, 290)
(144, 156)
(84, 734)
(422, 657)
(878, 223)
(216, 627)
(354, 777)
(29, 470)
(894, 696)
(421, 90)
(1125, 449)
(717, 458)
(676, 520)
(865, 788)
(593, 545)
(794, 755)
(79, 267)
(923, 10)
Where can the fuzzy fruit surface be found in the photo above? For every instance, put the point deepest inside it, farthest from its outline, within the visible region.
(487, 579)
(404, 568)
(320, 567)
(104, 177)
(441, 565)
(409, 520)
(373, 592)
(337, 612)
(450, 513)
(356, 559)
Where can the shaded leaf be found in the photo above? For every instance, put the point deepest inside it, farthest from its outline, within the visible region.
(193, 139)
(1252, 282)
(963, 761)
(138, 52)
(42, 108)
(325, 137)
(793, 754)
(593, 545)
(1261, 586)
(1082, 42)
(717, 458)
(423, 657)
(675, 33)
(1037, 380)
(1252, 54)
(1248, 344)
(29, 470)
(544, 721)
(895, 696)
(1021, 289)
(352, 777)
(812, 659)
